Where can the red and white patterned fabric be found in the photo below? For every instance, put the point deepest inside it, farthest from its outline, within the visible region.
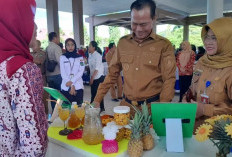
(23, 124)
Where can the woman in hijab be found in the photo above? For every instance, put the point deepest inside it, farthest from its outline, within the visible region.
(185, 61)
(23, 123)
(212, 78)
(72, 68)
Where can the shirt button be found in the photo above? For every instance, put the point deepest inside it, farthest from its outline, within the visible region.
(137, 69)
(140, 45)
(150, 62)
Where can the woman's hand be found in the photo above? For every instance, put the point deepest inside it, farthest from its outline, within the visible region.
(184, 98)
(182, 69)
(68, 84)
(72, 91)
(200, 107)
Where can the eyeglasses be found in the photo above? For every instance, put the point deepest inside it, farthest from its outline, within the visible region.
(208, 38)
(70, 45)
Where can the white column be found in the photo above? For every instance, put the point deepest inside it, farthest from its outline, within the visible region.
(52, 16)
(214, 9)
(78, 27)
(91, 28)
(186, 32)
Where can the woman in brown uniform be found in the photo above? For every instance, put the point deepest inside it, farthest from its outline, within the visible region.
(212, 78)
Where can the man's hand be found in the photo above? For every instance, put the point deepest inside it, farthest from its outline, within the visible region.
(68, 84)
(91, 81)
(96, 104)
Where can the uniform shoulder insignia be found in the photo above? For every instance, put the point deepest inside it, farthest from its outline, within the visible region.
(197, 72)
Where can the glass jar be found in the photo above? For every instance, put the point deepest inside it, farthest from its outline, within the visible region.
(121, 115)
(92, 131)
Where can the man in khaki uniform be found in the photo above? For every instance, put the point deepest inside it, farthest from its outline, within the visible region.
(39, 58)
(109, 56)
(146, 59)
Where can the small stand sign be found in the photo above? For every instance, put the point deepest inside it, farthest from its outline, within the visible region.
(174, 135)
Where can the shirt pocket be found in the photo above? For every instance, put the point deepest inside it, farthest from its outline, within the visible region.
(219, 94)
(66, 65)
(151, 60)
(127, 61)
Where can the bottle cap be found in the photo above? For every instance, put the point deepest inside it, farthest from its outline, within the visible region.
(74, 103)
(121, 109)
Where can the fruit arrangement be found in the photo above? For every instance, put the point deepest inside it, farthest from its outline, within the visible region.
(141, 138)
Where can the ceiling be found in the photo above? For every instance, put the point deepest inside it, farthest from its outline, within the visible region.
(96, 7)
(169, 11)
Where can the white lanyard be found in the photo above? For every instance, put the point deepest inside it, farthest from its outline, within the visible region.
(71, 68)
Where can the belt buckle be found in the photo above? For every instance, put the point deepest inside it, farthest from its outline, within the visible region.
(135, 103)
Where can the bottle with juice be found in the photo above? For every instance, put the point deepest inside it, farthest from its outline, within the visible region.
(74, 121)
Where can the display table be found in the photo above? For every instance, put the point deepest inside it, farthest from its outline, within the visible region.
(57, 148)
(58, 144)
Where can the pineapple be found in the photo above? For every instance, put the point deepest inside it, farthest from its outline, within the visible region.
(148, 141)
(135, 145)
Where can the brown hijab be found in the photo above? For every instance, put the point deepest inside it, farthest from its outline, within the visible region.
(222, 28)
(185, 54)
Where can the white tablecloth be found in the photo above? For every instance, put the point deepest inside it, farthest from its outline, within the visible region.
(192, 149)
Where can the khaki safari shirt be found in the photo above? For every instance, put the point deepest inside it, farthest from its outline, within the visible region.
(148, 69)
(219, 92)
(40, 56)
(109, 56)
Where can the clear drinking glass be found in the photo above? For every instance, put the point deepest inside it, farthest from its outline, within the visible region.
(64, 114)
(80, 113)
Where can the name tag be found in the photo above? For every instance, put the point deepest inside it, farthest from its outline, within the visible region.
(71, 76)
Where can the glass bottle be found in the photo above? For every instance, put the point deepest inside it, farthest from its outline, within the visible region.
(74, 121)
(92, 131)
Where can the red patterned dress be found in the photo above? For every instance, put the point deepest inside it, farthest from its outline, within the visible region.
(23, 124)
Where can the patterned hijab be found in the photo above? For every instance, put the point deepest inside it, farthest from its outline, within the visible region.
(222, 28)
(16, 29)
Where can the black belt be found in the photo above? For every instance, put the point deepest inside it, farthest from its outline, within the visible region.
(149, 100)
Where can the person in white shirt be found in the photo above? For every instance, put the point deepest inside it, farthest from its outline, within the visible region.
(96, 70)
(72, 68)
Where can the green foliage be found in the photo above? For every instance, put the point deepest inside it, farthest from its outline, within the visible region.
(136, 126)
(220, 138)
(86, 36)
(146, 119)
(114, 34)
(175, 35)
(127, 31)
(62, 33)
(102, 42)
(44, 44)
